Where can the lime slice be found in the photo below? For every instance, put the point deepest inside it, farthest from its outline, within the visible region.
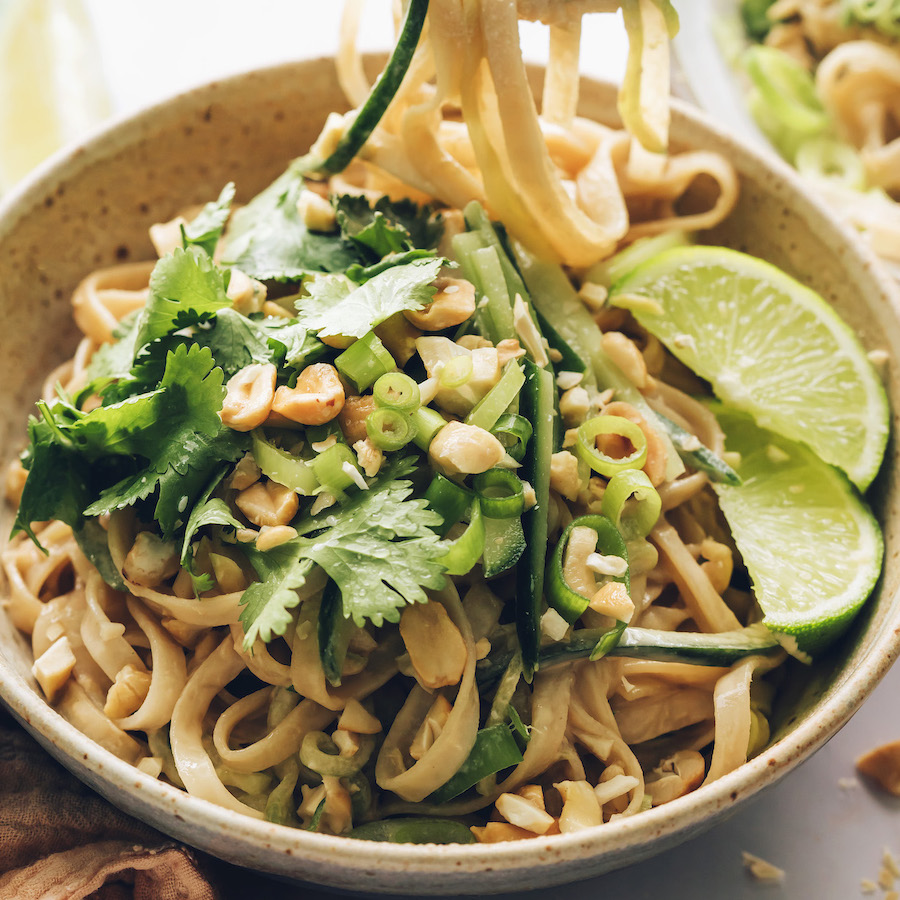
(769, 346)
(811, 546)
(51, 87)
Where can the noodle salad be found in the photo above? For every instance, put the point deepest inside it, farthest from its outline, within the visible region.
(386, 504)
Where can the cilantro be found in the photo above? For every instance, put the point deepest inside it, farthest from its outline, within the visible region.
(267, 238)
(360, 273)
(237, 341)
(387, 227)
(380, 548)
(186, 288)
(206, 228)
(336, 307)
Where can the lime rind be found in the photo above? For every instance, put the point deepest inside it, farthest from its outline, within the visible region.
(811, 546)
(767, 345)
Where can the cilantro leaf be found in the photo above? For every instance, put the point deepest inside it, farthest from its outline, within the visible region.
(381, 549)
(335, 307)
(268, 239)
(206, 228)
(186, 288)
(113, 361)
(360, 273)
(387, 227)
(283, 571)
(237, 341)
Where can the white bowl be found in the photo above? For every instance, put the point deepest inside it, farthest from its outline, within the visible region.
(92, 206)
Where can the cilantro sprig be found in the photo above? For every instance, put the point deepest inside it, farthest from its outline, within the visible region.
(381, 549)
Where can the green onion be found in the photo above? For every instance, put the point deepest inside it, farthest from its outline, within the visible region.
(383, 92)
(291, 471)
(389, 429)
(787, 89)
(281, 805)
(414, 830)
(881, 14)
(568, 603)
(501, 493)
(456, 372)
(428, 422)
(499, 398)
(632, 503)
(397, 390)
(586, 446)
(824, 157)
(608, 641)
(319, 753)
(495, 749)
(449, 500)
(514, 432)
(329, 469)
(462, 554)
(364, 361)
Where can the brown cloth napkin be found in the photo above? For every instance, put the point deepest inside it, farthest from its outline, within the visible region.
(60, 841)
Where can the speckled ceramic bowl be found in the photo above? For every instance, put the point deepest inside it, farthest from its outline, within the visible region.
(92, 207)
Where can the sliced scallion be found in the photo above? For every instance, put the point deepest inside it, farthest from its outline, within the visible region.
(514, 432)
(396, 390)
(632, 503)
(428, 422)
(500, 493)
(600, 462)
(389, 429)
(463, 553)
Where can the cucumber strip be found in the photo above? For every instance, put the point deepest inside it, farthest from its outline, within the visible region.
(379, 99)
(498, 399)
(571, 361)
(538, 401)
(414, 830)
(504, 543)
(699, 457)
(334, 632)
(477, 221)
(495, 749)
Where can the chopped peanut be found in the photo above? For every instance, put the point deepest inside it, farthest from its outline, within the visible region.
(151, 560)
(460, 448)
(245, 473)
(883, 764)
(507, 349)
(581, 809)
(613, 600)
(316, 213)
(247, 295)
(127, 693)
(352, 417)
(436, 647)
(268, 504)
(317, 398)
(369, 456)
(574, 405)
(53, 668)
(676, 776)
(495, 832)
(248, 397)
(564, 476)
(272, 535)
(452, 304)
(519, 811)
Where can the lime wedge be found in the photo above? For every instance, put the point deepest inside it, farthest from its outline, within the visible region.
(811, 546)
(769, 346)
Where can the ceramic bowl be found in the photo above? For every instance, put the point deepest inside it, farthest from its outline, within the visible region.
(92, 206)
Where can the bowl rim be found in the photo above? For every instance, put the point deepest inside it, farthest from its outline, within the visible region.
(296, 853)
